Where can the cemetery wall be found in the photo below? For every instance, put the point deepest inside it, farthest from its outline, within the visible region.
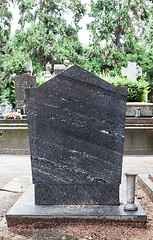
(138, 137)
(138, 140)
(146, 109)
(14, 137)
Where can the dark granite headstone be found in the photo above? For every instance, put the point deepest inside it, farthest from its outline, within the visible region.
(76, 130)
(21, 83)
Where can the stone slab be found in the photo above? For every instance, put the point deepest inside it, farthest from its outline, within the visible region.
(147, 184)
(18, 184)
(25, 209)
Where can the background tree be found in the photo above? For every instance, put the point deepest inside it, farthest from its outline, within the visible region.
(116, 29)
(44, 35)
(5, 28)
(147, 62)
(119, 33)
(49, 36)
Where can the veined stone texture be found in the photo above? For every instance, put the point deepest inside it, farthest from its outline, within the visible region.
(76, 129)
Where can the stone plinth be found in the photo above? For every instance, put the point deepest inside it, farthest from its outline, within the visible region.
(24, 211)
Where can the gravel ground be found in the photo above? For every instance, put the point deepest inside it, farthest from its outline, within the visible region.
(7, 200)
(86, 230)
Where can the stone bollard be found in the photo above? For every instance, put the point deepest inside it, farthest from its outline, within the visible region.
(29, 68)
(130, 192)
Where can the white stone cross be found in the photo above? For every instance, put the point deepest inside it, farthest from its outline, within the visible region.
(132, 71)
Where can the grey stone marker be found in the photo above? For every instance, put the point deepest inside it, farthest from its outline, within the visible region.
(5, 107)
(46, 74)
(21, 83)
(76, 131)
(29, 68)
(58, 68)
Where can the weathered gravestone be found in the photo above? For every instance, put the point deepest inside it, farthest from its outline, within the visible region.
(58, 68)
(21, 83)
(46, 74)
(5, 107)
(76, 130)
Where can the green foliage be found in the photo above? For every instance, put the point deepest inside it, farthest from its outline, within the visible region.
(136, 89)
(148, 46)
(117, 28)
(121, 31)
(40, 79)
(115, 21)
(50, 12)
(64, 238)
(5, 25)
(47, 37)
(13, 62)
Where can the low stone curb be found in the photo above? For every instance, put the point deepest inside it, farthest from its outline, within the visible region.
(146, 182)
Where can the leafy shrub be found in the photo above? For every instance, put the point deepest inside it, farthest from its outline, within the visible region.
(40, 79)
(136, 89)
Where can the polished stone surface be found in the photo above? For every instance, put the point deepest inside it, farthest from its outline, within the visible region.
(18, 184)
(93, 193)
(76, 130)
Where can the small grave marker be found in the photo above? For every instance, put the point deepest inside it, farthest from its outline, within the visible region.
(21, 83)
(46, 74)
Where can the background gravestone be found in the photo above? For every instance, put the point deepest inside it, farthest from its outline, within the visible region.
(5, 107)
(46, 74)
(132, 71)
(21, 83)
(58, 68)
(76, 130)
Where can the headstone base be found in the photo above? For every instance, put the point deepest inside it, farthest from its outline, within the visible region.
(26, 212)
(77, 194)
